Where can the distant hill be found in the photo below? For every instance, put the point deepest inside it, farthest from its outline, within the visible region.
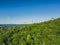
(11, 24)
(44, 33)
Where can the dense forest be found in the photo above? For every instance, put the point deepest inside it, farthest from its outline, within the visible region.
(44, 33)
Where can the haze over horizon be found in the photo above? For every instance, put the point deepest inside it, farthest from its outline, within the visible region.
(28, 11)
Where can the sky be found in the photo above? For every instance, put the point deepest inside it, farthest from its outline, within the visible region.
(28, 11)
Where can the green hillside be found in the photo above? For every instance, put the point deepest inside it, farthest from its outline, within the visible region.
(44, 33)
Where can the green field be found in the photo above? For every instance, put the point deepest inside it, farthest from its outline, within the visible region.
(44, 33)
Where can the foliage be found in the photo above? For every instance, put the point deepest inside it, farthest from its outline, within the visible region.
(44, 33)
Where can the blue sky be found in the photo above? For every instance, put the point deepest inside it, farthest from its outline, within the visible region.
(28, 11)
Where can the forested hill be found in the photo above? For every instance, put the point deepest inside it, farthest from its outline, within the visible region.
(44, 33)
